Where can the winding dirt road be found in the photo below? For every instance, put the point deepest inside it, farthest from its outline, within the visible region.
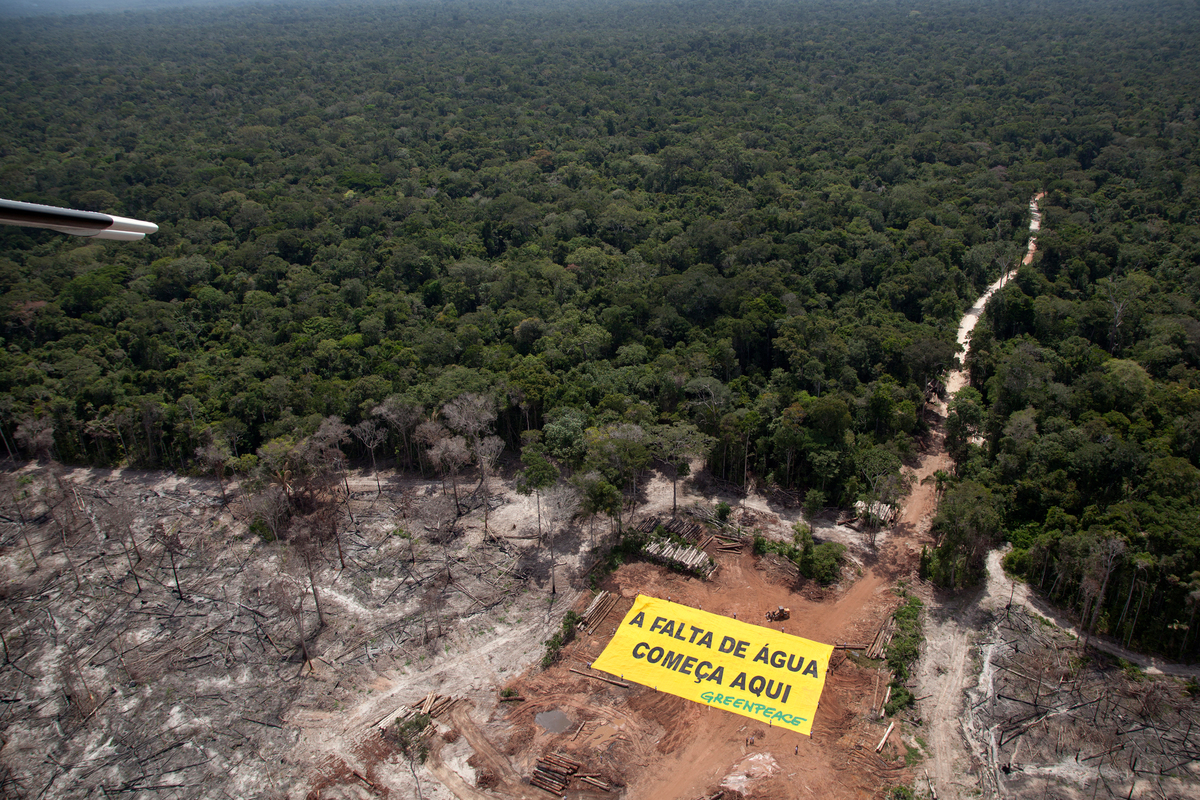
(958, 378)
(950, 627)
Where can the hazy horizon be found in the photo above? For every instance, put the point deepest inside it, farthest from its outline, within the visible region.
(42, 8)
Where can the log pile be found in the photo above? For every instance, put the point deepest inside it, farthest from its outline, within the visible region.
(436, 704)
(432, 704)
(648, 525)
(689, 531)
(679, 556)
(734, 536)
(878, 513)
(553, 773)
(597, 610)
(878, 647)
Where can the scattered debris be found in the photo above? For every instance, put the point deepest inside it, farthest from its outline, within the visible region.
(749, 771)
(1049, 716)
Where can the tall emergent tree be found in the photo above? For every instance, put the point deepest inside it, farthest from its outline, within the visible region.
(539, 474)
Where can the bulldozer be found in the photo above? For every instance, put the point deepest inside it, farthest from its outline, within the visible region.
(778, 614)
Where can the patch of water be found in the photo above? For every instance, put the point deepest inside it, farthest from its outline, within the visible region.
(554, 721)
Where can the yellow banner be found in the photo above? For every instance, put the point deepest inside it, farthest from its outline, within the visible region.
(750, 670)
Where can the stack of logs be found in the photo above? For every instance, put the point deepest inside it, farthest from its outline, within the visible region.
(554, 773)
(597, 610)
(878, 647)
(433, 705)
(690, 531)
(729, 544)
(688, 558)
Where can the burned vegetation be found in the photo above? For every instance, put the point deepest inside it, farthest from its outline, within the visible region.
(151, 644)
(1053, 718)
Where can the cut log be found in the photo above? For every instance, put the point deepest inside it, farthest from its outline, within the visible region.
(883, 741)
(599, 678)
(568, 763)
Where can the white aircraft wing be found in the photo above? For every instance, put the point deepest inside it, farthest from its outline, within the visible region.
(76, 223)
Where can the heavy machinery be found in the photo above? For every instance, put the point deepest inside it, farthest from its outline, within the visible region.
(778, 614)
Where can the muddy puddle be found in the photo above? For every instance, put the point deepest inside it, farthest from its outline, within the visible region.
(554, 721)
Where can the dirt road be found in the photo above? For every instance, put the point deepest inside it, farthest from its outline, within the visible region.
(958, 378)
(951, 625)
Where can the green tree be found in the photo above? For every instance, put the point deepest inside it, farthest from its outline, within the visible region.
(675, 445)
(963, 423)
(967, 524)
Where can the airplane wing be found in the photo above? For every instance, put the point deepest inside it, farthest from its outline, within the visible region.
(76, 223)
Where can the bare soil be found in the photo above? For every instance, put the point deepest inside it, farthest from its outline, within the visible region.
(660, 746)
(125, 681)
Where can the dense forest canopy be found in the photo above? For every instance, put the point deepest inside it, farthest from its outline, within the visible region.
(642, 230)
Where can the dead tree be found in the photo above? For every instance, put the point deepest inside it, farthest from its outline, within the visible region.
(371, 435)
(173, 546)
(6, 406)
(489, 451)
(213, 457)
(471, 415)
(36, 436)
(24, 480)
(449, 455)
(289, 599)
(271, 509)
(321, 464)
(323, 452)
(307, 547)
(562, 503)
(400, 416)
(61, 521)
(428, 434)
(1099, 567)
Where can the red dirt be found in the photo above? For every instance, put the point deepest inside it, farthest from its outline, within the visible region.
(663, 747)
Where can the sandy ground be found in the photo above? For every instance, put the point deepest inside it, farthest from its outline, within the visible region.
(958, 378)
